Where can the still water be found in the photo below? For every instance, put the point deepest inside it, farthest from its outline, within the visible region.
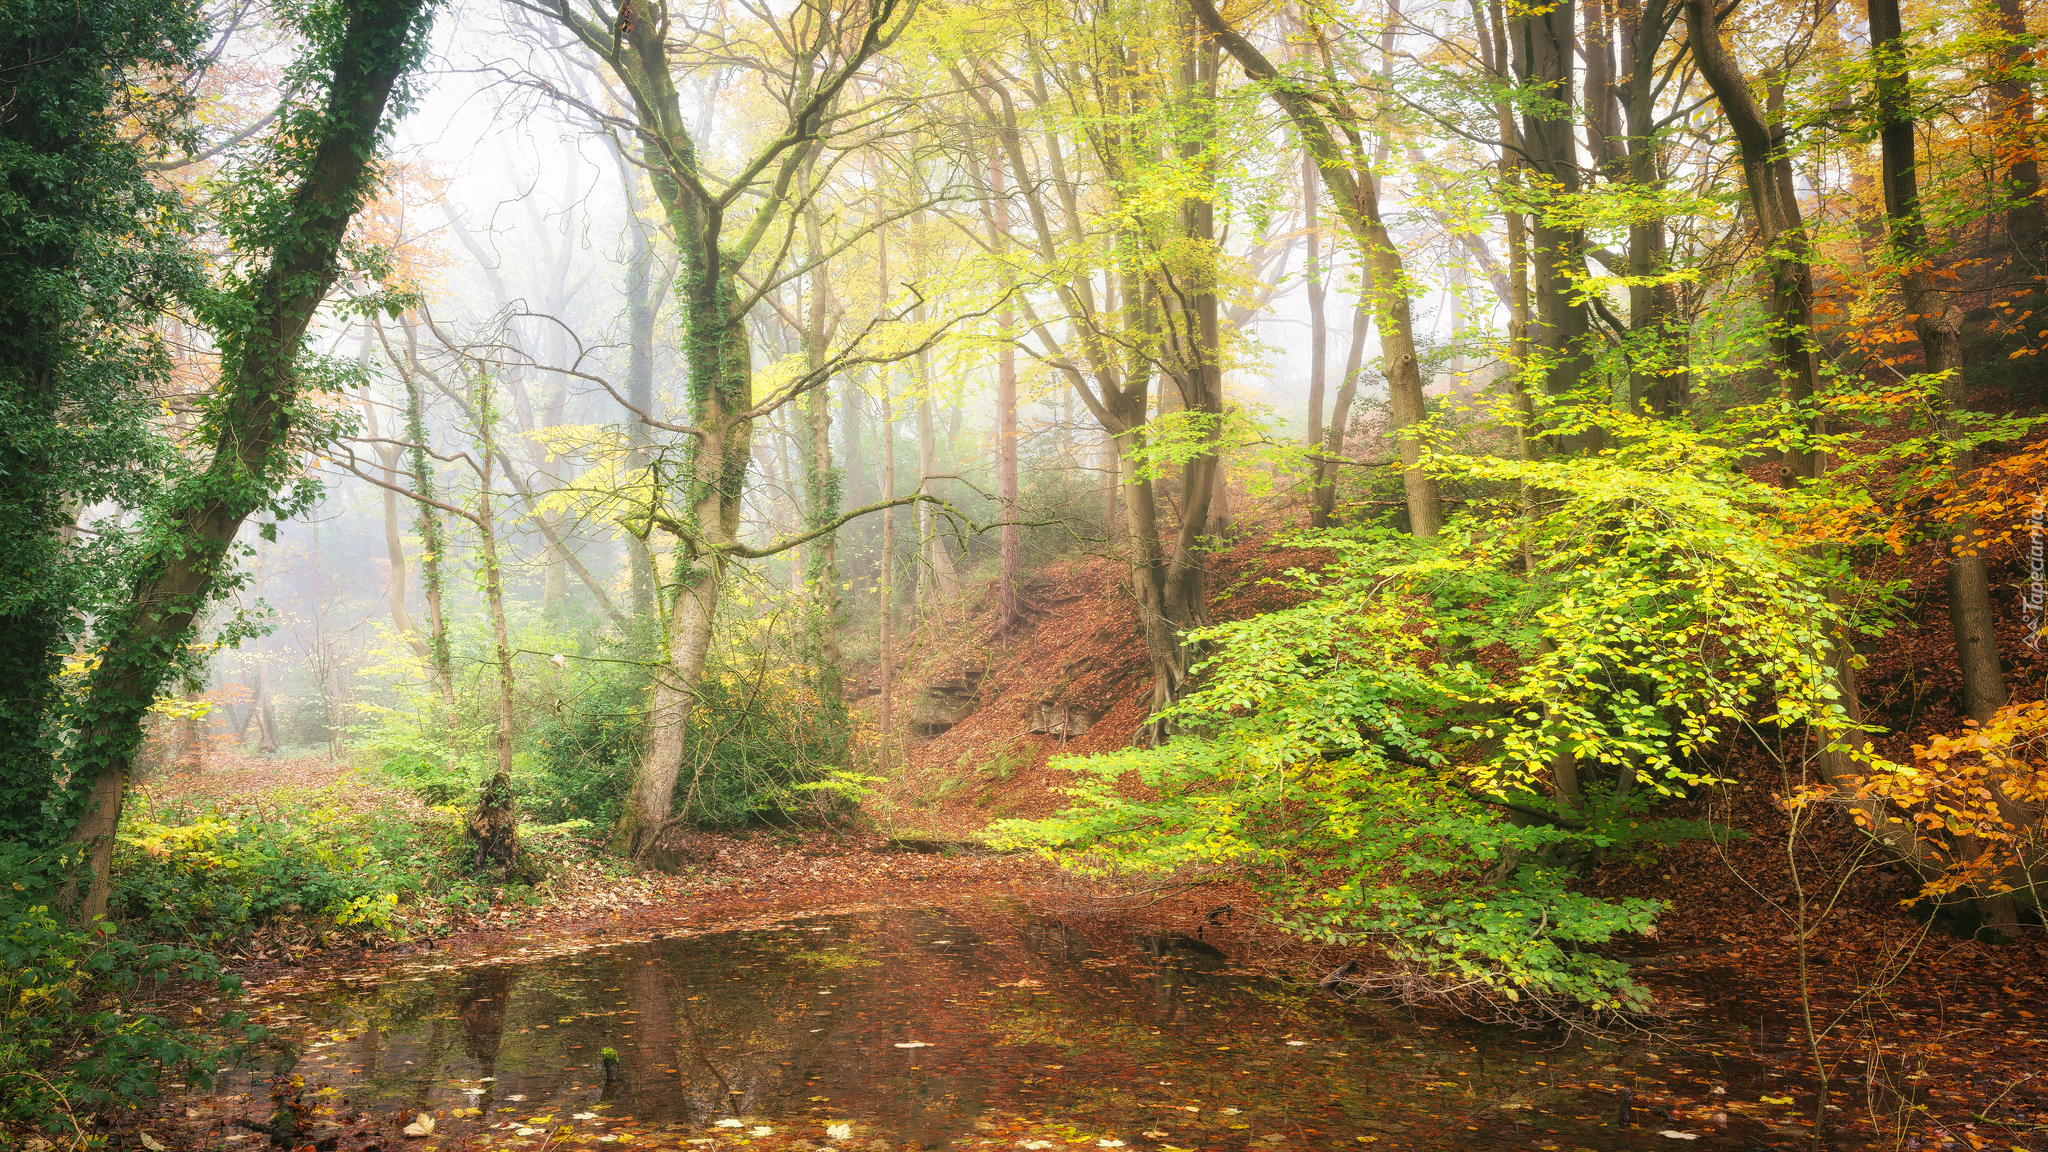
(961, 1027)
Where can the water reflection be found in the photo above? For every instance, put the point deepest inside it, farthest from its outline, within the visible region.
(925, 1025)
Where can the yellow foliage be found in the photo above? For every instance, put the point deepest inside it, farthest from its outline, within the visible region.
(1978, 797)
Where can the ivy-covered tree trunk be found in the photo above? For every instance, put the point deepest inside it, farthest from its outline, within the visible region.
(256, 424)
(721, 377)
(822, 481)
(494, 822)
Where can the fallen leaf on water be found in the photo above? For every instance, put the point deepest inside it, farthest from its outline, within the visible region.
(583, 1116)
(422, 1125)
(1777, 1099)
(839, 1131)
(730, 1124)
(914, 1044)
(1109, 1143)
(763, 1131)
(1156, 1134)
(1676, 1135)
(150, 1142)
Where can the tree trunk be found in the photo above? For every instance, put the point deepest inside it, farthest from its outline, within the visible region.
(886, 578)
(1659, 387)
(1937, 321)
(493, 826)
(643, 309)
(1340, 414)
(936, 572)
(1353, 188)
(937, 581)
(394, 534)
(1767, 174)
(717, 352)
(2014, 108)
(440, 661)
(1542, 42)
(251, 426)
(1322, 471)
(821, 483)
(1011, 557)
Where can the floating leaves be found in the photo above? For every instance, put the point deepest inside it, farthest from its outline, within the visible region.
(422, 1125)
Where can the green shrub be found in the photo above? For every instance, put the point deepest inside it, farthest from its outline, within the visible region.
(583, 752)
(76, 1034)
(215, 878)
(425, 764)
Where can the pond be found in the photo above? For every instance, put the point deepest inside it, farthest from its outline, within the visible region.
(963, 1027)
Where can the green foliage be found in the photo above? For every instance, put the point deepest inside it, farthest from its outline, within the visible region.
(427, 765)
(758, 735)
(583, 750)
(76, 1033)
(88, 244)
(1420, 754)
(216, 878)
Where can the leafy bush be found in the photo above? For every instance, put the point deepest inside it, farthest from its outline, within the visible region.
(425, 764)
(215, 878)
(583, 752)
(759, 737)
(76, 1035)
(1420, 755)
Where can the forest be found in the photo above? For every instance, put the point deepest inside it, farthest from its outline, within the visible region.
(1443, 573)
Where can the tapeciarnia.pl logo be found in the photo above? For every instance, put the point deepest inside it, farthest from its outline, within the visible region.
(2035, 599)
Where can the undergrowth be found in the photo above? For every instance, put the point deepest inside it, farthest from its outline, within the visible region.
(300, 868)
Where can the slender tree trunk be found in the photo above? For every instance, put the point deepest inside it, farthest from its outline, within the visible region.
(886, 578)
(266, 715)
(1340, 414)
(936, 573)
(937, 581)
(440, 662)
(643, 309)
(1355, 191)
(1490, 23)
(494, 824)
(821, 483)
(1656, 382)
(1011, 560)
(1323, 472)
(1767, 174)
(249, 430)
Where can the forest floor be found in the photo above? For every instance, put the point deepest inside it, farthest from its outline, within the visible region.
(1943, 1050)
(1925, 1037)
